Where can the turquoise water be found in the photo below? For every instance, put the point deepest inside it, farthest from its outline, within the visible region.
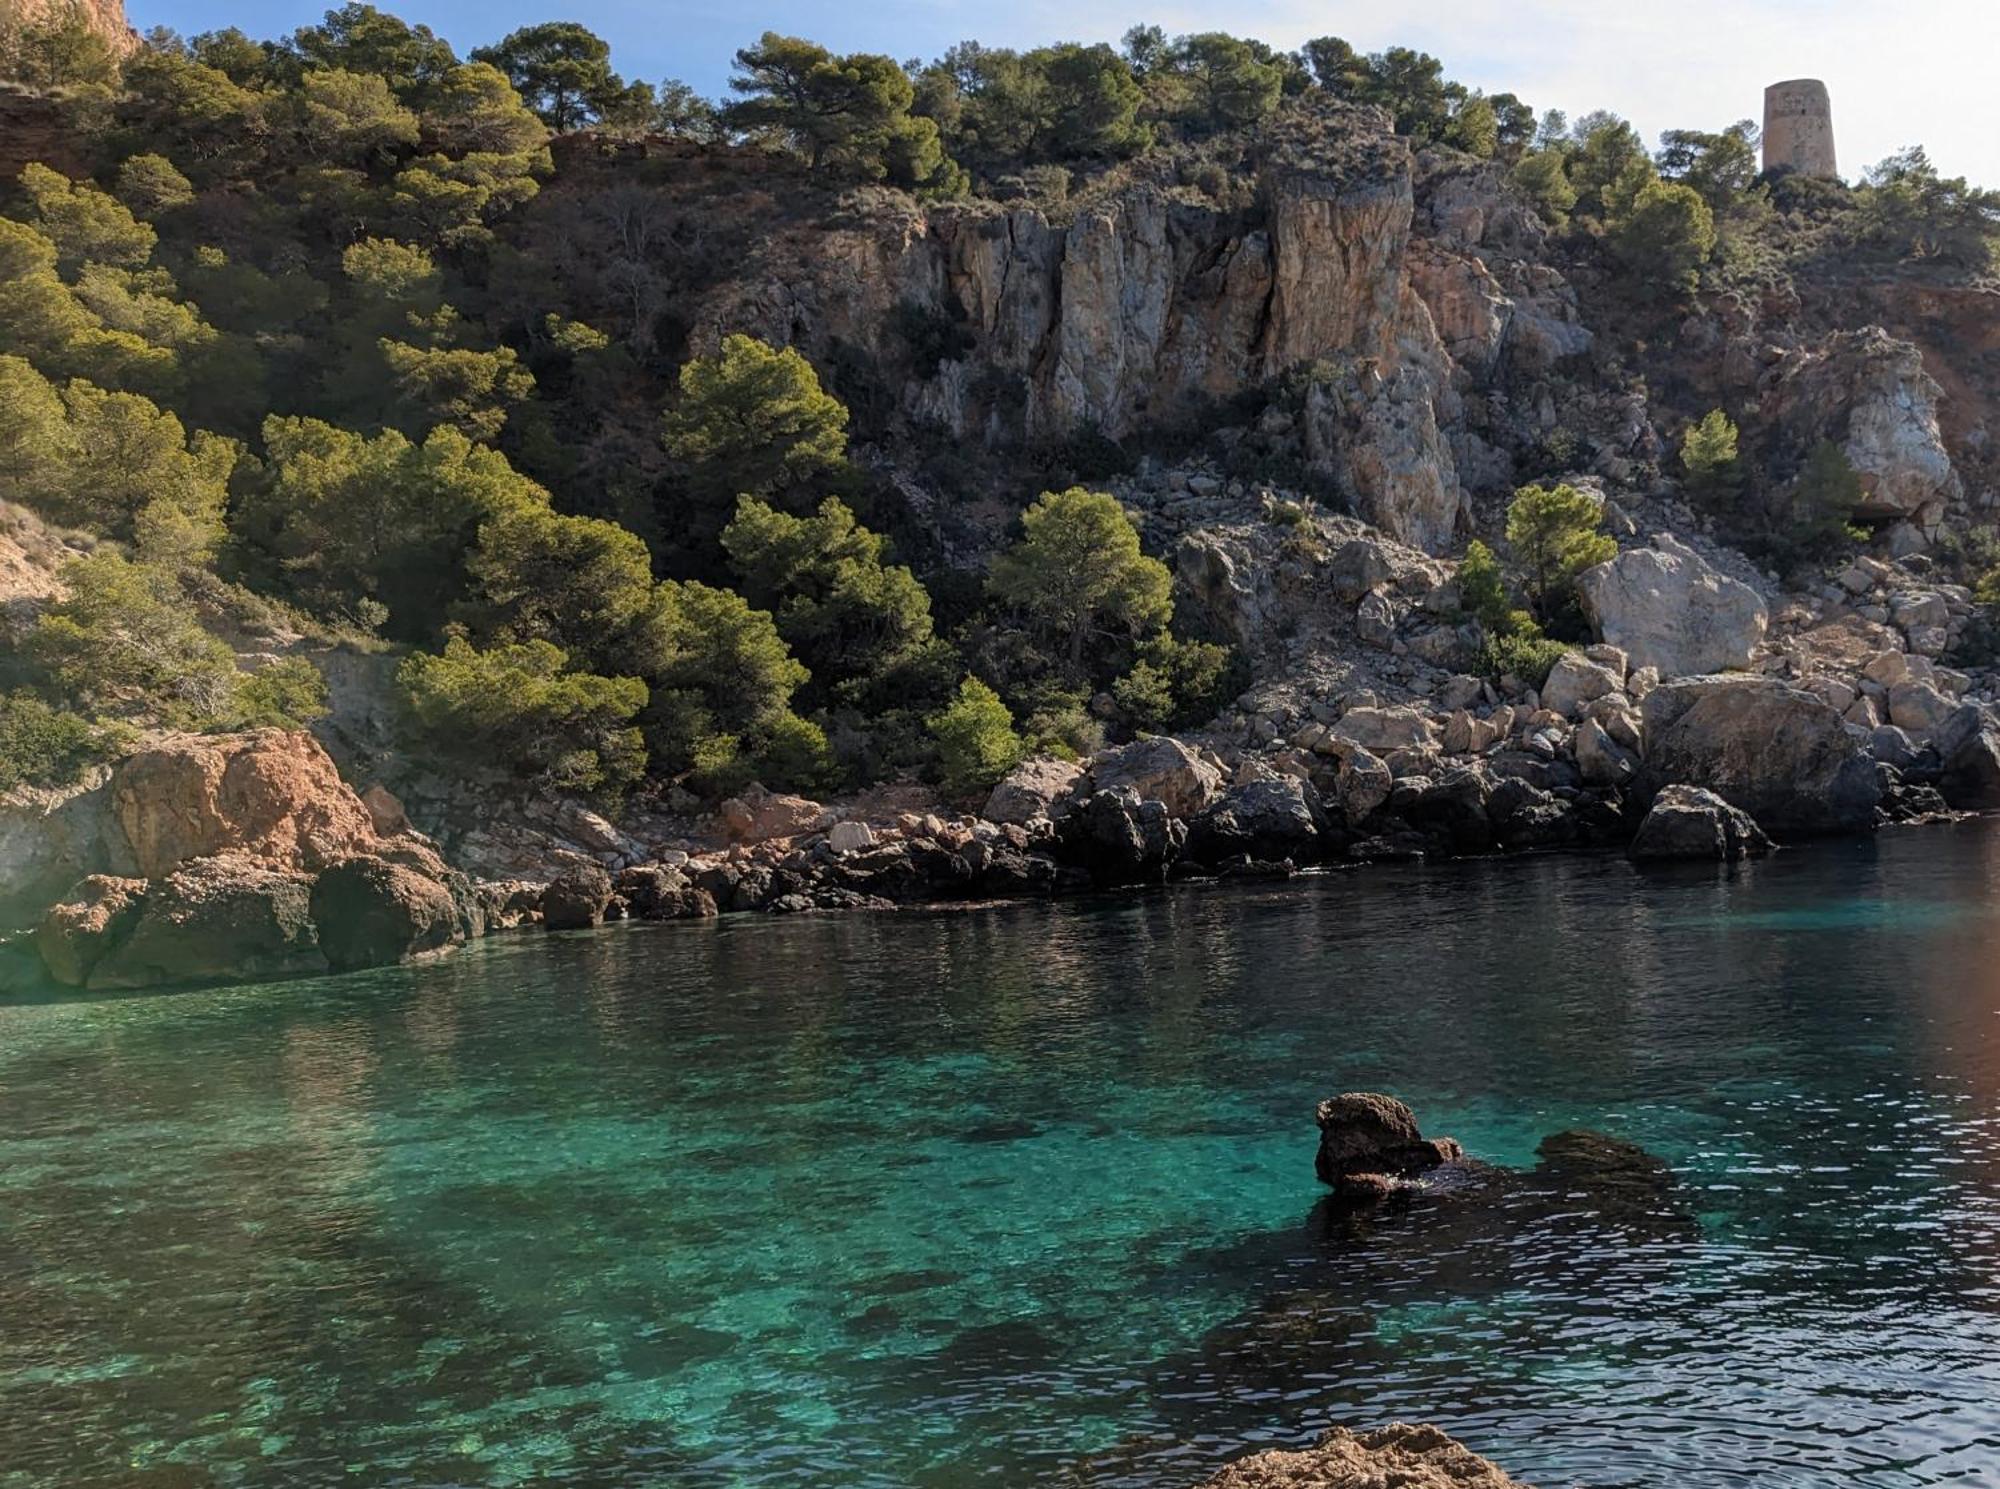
(1025, 1196)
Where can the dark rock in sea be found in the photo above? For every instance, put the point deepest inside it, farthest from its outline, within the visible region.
(1453, 808)
(576, 899)
(1778, 752)
(1266, 820)
(1120, 838)
(224, 918)
(372, 913)
(1686, 822)
(1369, 1145)
(1970, 775)
(657, 891)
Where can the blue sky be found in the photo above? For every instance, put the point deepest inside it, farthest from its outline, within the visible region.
(1918, 72)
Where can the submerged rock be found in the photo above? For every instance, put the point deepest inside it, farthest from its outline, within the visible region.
(1393, 1457)
(1369, 1145)
(1686, 822)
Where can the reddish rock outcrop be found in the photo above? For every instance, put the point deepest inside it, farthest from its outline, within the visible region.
(272, 794)
(253, 859)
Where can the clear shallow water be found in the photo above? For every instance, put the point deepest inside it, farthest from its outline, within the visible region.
(1025, 1197)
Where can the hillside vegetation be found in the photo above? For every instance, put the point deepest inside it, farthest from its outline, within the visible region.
(345, 339)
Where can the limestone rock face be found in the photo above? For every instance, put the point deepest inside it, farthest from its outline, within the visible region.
(1666, 607)
(49, 839)
(1869, 393)
(1686, 822)
(1030, 789)
(1149, 301)
(1394, 1457)
(105, 18)
(1778, 752)
(1159, 768)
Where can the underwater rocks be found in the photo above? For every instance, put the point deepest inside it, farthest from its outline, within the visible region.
(1369, 1145)
(1393, 1457)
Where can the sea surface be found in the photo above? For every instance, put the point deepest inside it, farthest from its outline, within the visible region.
(1024, 1196)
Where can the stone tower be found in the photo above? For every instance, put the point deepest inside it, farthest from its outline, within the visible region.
(1798, 128)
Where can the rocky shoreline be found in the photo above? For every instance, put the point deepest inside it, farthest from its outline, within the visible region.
(248, 857)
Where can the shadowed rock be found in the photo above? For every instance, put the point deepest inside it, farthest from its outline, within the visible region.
(1369, 1145)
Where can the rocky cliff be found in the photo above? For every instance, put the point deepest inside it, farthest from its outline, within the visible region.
(104, 18)
(1153, 301)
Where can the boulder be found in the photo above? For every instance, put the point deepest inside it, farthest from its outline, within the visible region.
(1363, 785)
(1667, 607)
(1031, 789)
(758, 815)
(1393, 1457)
(576, 899)
(1778, 752)
(1918, 707)
(1121, 838)
(74, 935)
(1369, 1143)
(372, 913)
(1970, 779)
(850, 837)
(1685, 822)
(1576, 680)
(227, 918)
(656, 891)
(1268, 820)
(1600, 759)
(1383, 729)
(1158, 768)
(272, 794)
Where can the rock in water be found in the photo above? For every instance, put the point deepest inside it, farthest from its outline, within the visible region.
(577, 900)
(1369, 1144)
(214, 919)
(1394, 1457)
(1688, 822)
(372, 913)
(1778, 752)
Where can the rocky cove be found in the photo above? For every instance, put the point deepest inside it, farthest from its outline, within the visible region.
(250, 857)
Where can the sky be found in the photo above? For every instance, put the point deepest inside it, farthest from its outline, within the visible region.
(1902, 72)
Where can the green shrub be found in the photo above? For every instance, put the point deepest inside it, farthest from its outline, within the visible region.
(45, 746)
(286, 694)
(521, 708)
(124, 643)
(1528, 656)
(976, 742)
